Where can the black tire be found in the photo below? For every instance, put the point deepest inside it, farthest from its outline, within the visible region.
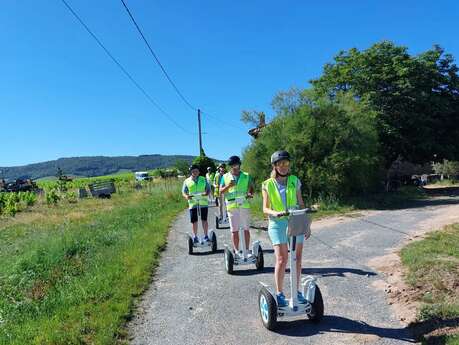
(217, 226)
(268, 309)
(214, 242)
(260, 263)
(229, 261)
(190, 245)
(317, 311)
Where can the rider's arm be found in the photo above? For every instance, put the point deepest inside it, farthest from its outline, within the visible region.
(266, 207)
(299, 197)
(251, 187)
(224, 188)
(185, 191)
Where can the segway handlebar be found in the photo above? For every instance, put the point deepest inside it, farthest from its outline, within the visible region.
(296, 212)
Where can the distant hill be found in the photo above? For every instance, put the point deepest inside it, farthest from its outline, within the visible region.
(91, 166)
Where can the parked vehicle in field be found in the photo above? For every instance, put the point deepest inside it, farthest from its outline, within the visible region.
(19, 185)
(142, 176)
(102, 189)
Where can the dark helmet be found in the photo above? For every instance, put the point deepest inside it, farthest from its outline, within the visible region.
(234, 160)
(279, 156)
(192, 167)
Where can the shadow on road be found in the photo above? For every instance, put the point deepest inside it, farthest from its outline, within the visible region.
(338, 324)
(317, 271)
(336, 271)
(205, 253)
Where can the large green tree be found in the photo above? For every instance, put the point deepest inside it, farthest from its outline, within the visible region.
(333, 143)
(416, 98)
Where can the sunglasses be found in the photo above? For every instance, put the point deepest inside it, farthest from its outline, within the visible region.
(283, 164)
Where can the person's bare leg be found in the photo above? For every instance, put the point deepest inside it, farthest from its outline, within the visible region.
(235, 238)
(247, 239)
(281, 252)
(205, 227)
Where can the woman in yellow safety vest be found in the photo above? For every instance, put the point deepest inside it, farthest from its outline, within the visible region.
(281, 192)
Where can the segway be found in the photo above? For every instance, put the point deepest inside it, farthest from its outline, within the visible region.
(212, 243)
(242, 256)
(314, 306)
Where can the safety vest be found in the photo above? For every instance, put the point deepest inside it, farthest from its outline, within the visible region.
(239, 190)
(196, 187)
(275, 200)
(210, 177)
(216, 183)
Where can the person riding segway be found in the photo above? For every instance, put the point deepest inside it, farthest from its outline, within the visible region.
(196, 191)
(210, 180)
(237, 187)
(288, 227)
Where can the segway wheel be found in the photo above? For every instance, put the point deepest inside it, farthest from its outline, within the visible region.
(214, 242)
(217, 226)
(229, 261)
(317, 311)
(260, 263)
(268, 309)
(190, 245)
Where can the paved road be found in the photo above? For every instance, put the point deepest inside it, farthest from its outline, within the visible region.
(194, 301)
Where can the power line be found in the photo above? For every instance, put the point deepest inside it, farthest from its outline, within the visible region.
(157, 59)
(155, 56)
(126, 73)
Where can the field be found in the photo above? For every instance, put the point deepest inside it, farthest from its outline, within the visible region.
(70, 272)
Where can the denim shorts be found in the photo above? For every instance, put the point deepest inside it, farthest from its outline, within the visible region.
(277, 231)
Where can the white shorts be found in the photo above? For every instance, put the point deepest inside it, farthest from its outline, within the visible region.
(239, 217)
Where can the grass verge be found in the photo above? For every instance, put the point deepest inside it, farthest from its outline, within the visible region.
(73, 280)
(433, 270)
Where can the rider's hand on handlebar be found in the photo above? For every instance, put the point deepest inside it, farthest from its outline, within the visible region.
(281, 214)
(189, 197)
(249, 195)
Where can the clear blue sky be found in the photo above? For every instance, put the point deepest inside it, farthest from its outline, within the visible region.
(61, 96)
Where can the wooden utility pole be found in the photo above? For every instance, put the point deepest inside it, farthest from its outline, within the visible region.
(200, 134)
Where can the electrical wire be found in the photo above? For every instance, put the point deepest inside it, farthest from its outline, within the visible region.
(126, 73)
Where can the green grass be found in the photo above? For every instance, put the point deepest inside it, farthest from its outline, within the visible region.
(72, 277)
(433, 269)
(443, 339)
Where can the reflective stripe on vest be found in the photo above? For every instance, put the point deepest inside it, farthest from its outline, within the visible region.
(238, 191)
(274, 196)
(196, 187)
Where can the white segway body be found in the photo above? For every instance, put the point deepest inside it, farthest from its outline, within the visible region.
(267, 301)
(243, 256)
(212, 243)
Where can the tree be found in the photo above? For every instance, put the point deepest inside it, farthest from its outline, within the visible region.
(416, 98)
(182, 166)
(253, 117)
(204, 162)
(333, 143)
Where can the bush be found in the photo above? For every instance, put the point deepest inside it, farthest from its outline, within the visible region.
(334, 146)
(52, 197)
